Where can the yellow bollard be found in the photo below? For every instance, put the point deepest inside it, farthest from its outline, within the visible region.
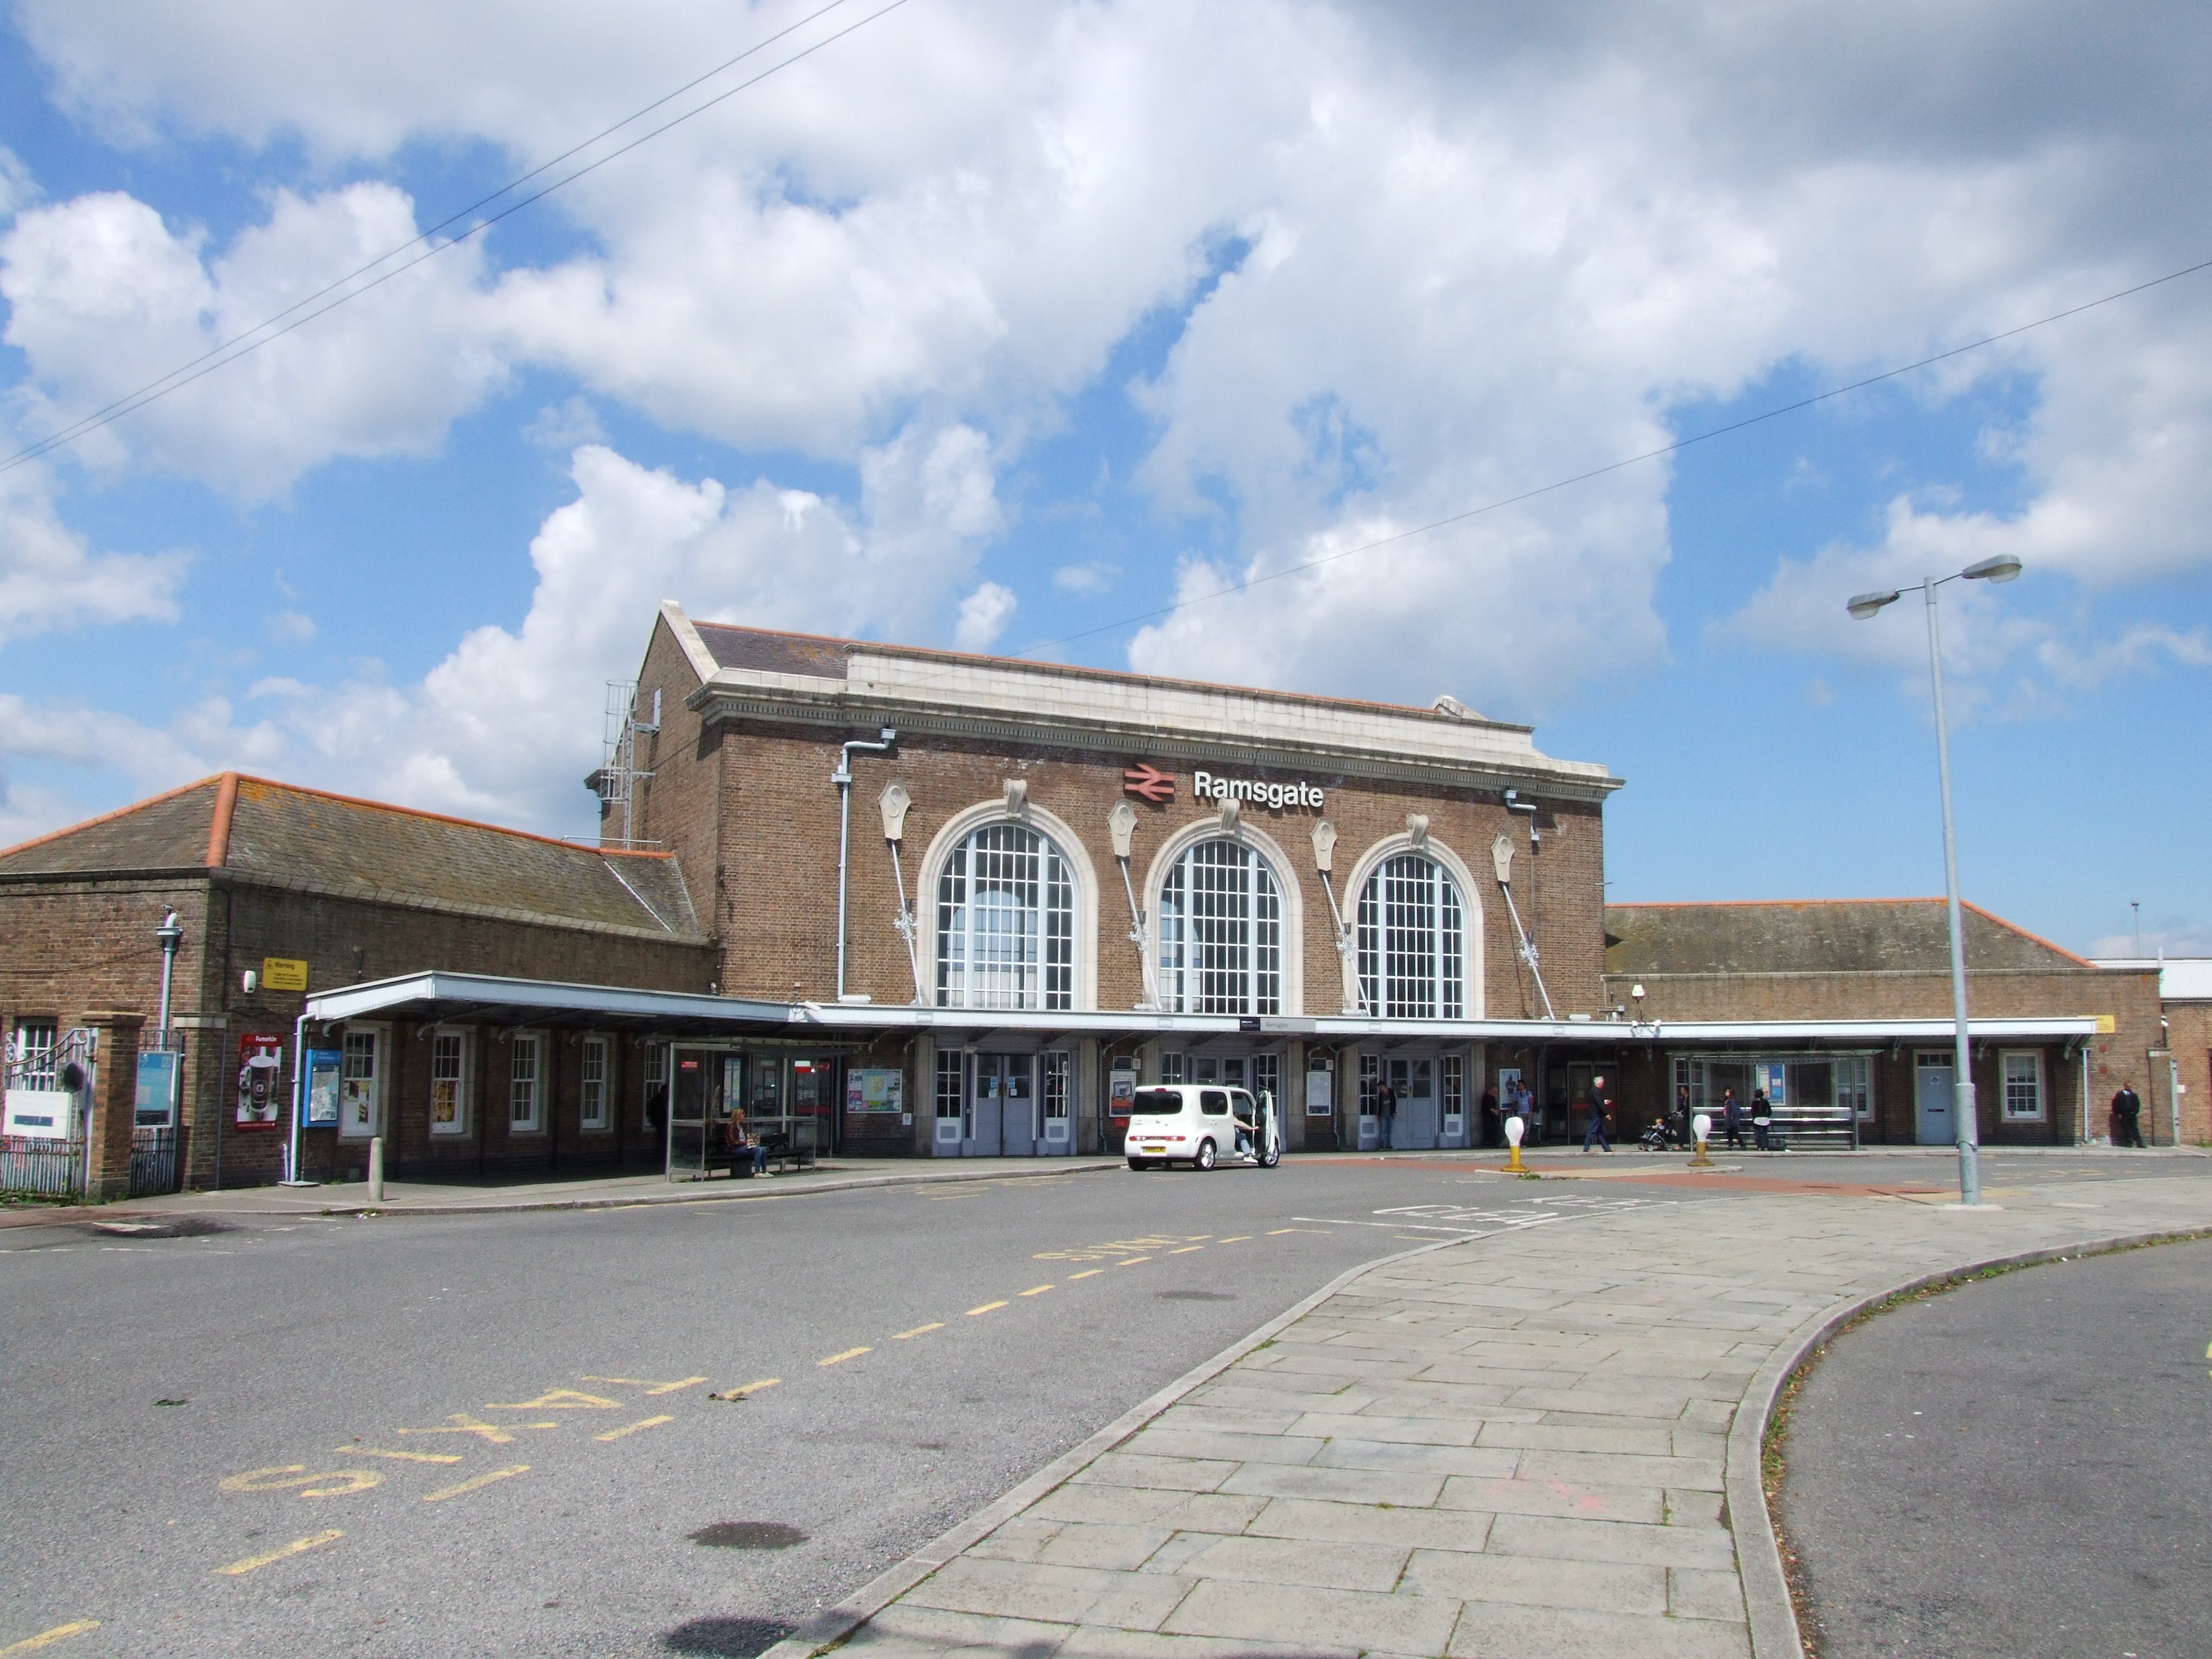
(1702, 1126)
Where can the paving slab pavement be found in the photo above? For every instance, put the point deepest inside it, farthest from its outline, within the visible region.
(1543, 1443)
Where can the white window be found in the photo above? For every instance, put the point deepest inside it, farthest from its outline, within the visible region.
(1854, 1084)
(1454, 1081)
(591, 1085)
(1006, 923)
(1172, 1068)
(2023, 1084)
(656, 1083)
(1221, 933)
(449, 1083)
(31, 1059)
(361, 1098)
(951, 1083)
(1268, 1078)
(524, 1089)
(1057, 1076)
(1412, 942)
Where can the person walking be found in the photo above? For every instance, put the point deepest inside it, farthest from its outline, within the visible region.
(2127, 1118)
(1732, 1118)
(1597, 1104)
(1386, 1112)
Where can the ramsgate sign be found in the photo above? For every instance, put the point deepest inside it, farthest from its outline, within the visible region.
(1159, 787)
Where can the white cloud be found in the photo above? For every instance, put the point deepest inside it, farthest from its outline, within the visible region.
(291, 626)
(1095, 576)
(984, 615)
(566, 425)
(104, 297)
(18, 190)
(50, 579)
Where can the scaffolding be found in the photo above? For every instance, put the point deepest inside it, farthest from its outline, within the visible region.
(618, 775)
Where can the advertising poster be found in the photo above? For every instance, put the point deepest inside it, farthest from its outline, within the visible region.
(1121, 1090)
(324, 1067)
(1321, 1092)
(874, 1090)
(157, 1091)
(260, 1080)
(1775, 1083)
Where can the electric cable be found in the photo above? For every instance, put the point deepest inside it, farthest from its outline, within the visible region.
(221, 355)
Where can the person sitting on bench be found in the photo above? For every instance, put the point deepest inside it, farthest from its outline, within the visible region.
(741, 1138)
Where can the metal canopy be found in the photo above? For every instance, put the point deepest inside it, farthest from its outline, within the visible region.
(447, 998)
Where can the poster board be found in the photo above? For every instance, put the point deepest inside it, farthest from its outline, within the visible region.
(1321, 1092)
(156, 1105)
(325, 1067)
(875, 1089)
(260, 1080)
(1121, 1090)
(40, 1114)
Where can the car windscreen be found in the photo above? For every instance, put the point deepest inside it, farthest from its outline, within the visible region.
(1155, 1102)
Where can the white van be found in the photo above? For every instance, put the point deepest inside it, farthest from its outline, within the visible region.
(1189, 1123)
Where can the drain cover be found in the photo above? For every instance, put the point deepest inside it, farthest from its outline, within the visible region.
(748, 1536)
(1194, 1296)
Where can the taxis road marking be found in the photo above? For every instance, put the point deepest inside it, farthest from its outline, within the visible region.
(554, 1399)
(480, 1482)
(749, 1389)
(47, 1638)
(839, 1358)
(1132, 1261)
(1241, 1238)
(632, 1428)
(408, 1457)
(1187, 1249)
(646, 1383)
(1088, 1272)
(1036, 1290)
(297, 1546)
(464, 1424)
(919, 1330)
(988, 1307)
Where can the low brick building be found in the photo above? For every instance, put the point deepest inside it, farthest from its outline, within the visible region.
(1687, 966)
(2179, 1072)
(303, 890)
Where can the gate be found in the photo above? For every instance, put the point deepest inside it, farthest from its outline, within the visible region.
(153, 1161)
(42, 1148)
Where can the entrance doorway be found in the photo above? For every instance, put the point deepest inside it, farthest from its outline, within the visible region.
(1431, 1095)
(1934, 1122)
(1013, 1105)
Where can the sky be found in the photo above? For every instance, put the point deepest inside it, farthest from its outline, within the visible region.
(1115, 332)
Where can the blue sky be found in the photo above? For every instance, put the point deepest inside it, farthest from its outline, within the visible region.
(1002, 325)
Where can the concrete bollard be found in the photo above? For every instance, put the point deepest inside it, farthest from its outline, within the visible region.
(376, 1170)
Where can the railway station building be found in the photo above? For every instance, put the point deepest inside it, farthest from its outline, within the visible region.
(898, 901)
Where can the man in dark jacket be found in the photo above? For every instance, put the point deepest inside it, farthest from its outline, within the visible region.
(1732, 1118)
(1598, 1105)
(2127, 1118)
(1386, 1113)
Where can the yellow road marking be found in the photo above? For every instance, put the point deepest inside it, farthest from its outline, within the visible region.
(1187, 1249)
(987, 1307)
(297, 1474)
(839, 1358)
(1241, 1238)
(411, 1458)
(464, 1424)
(1036, 1290)
(297, 1546)
(1276, 1232)
(1196, 1238)
(1088, 1272)
(482, 1481)
(632, 1428)
(750, 1388)
(46, 1638)
(1132, 1261)
(560, 1399)
(649, 1386)
(919, 1330)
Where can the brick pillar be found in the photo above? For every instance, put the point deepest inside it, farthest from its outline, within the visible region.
(114, 1103)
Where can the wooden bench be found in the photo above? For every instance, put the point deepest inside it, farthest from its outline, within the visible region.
(775, 1149)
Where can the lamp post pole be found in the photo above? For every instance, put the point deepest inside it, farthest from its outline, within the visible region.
(1965, 1114)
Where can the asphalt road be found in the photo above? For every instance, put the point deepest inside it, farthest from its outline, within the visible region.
(495, 1435)
(2022, 1466)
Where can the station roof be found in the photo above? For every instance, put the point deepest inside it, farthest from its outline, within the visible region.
(1836, 936)
(433, 997)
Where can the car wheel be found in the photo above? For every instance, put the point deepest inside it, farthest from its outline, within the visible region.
(1140, 1164)
(1271, 1158)
(1205, 1158)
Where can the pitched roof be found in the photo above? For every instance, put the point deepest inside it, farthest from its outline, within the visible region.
(278, 835)
(1848, 936)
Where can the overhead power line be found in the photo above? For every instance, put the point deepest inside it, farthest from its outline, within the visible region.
(268, 329)
(1664, 450)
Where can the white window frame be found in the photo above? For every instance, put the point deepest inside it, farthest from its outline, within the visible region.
(1388, 989)
(594, 1094)
(377, 1040)
(2033, 1057)
(37, 1064)
(463, 1050)
(1862, 1087)
(525, 1083)
(1221, 927)
(975, 968)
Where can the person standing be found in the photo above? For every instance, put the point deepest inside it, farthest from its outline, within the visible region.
(1732, 1118)
(1762, 1115)
(1597, 1104)
(1386, 1112)
(1493, 1126)
(2127, 1118)
(1683, 1125)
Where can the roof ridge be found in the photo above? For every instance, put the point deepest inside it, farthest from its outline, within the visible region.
(2013, 927)
(1747, 904)
(447, 817)
(107, 817)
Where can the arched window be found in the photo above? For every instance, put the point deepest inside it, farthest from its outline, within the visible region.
(1413, 941)
(1221, 933)
(1006, 923)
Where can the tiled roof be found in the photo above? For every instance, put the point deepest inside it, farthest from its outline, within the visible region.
(757, 651)
(1854, 936)
(279, 835)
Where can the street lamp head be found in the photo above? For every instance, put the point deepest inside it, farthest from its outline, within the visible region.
(1864, 605)
(2002, 569)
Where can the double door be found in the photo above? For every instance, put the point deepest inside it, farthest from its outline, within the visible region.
(1016, 1107)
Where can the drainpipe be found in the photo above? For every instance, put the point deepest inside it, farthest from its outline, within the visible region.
(171, 936)
(299, 1101)
(842, 777)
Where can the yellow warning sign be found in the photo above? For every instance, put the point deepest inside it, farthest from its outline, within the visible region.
(284, 973)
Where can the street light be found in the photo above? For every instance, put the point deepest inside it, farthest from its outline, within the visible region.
(2002, 569)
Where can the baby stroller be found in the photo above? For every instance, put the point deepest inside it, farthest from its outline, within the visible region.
(1660, 1136)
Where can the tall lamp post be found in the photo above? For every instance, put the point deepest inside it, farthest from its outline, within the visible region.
(1964, 1111)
